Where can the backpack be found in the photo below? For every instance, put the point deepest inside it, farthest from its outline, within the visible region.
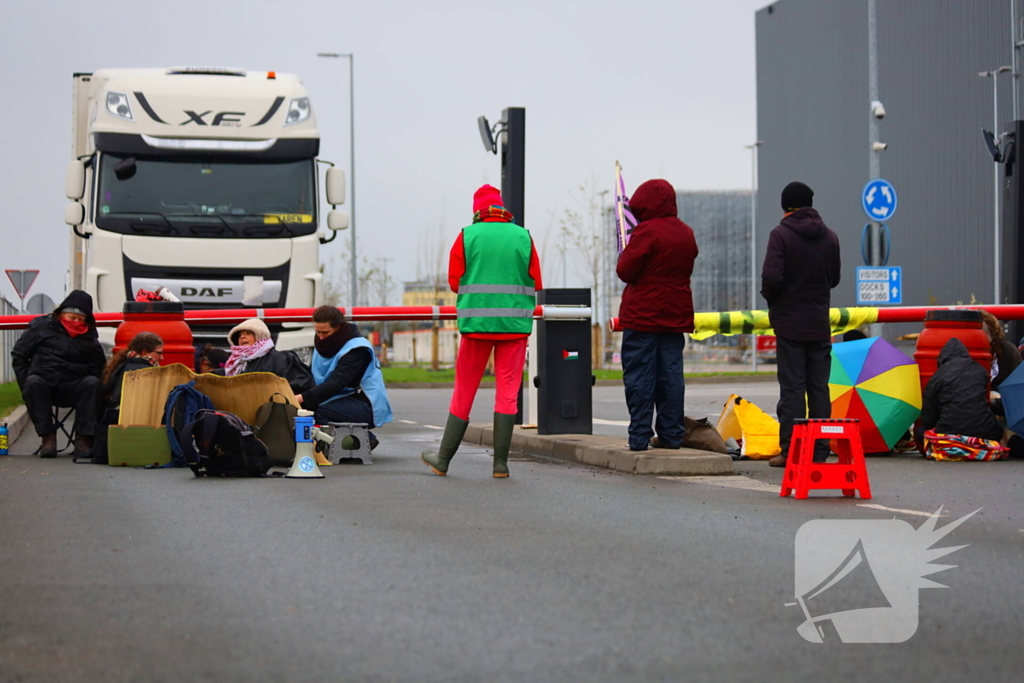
(224, 446)
(183, 403)
(275, 427)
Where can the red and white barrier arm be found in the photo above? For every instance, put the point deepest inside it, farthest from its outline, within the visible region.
(303, 315)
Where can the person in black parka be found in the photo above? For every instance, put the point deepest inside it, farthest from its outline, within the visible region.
(956, 397)
(58, 361)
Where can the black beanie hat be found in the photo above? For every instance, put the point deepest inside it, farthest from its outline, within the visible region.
(795, 196)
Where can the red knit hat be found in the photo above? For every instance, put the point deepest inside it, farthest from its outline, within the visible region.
(487, 196)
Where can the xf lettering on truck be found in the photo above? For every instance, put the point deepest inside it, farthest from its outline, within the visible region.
(205, 291)
(224, 118)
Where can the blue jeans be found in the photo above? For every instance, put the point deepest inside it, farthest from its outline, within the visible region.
(652, 370)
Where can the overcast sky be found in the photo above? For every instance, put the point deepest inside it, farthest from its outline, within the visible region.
(665, 87)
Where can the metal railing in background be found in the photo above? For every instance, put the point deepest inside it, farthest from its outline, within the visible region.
(8, 338)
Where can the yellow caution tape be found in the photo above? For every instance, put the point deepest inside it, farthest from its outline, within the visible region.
(756, 322)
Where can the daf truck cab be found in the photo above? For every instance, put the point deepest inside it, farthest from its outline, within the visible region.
(203, 181)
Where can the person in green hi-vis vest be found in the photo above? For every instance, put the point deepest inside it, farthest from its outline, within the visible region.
(494, 269)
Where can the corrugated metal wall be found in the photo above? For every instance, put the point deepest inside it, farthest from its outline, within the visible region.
(813, 117)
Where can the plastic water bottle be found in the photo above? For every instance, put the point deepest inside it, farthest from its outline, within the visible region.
(3, 439)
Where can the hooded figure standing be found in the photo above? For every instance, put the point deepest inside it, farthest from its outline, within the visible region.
(656, 311)
(494, 269)
(58, 362)
(801, 268)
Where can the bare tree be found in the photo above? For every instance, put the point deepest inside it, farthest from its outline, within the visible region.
(583, 229)
(431, 269)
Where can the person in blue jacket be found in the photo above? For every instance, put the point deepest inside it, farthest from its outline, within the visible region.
(349, 385)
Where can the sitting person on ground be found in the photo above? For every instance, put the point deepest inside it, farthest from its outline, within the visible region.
(211, 359)
(58, 361)
(349, 385)
(145, 350)
(956, 397)
(252, 350)
(1005, 356)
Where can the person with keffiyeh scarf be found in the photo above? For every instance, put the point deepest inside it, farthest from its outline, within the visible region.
(252, 350)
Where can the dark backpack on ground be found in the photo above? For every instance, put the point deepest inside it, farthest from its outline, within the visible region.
(224, 446)
(183, 403)
(275, 426)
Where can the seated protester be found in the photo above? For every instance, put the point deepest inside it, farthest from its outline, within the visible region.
(349, 385)
(58, 361)
(211, 359)
(956, 397)
(252, 350)
(145, 350)
(1005, 356)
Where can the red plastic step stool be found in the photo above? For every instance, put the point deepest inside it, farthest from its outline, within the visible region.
(803, 474)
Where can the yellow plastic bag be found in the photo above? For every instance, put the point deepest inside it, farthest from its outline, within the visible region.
(755, 429)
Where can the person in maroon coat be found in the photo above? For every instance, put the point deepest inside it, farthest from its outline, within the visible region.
(801, 268)
(656, 311)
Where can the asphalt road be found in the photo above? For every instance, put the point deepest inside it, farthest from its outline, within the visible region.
(559, 573)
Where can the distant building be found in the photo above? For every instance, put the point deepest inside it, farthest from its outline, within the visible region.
(423, 292)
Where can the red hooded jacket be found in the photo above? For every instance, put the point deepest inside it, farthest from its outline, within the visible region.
(657, 263)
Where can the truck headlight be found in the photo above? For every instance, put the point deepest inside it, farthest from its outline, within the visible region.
(298, 111)
(119, 106)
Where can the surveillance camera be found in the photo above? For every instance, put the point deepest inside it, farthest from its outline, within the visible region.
(878, 146)
(878, 109)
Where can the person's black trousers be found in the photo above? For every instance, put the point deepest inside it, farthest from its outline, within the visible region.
(347, 409)
(652, 371)
(82, 394)
(803, 369)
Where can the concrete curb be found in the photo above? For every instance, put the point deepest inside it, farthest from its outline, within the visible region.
(16, 423)
(489, 384)
(608, 452)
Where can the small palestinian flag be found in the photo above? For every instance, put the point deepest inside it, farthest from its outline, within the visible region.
(570, 355)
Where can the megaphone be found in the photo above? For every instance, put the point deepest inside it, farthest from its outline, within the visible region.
(305, 464)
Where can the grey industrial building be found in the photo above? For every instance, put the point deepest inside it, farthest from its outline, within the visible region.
(813, 117)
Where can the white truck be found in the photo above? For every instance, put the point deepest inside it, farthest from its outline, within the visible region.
(201, 180)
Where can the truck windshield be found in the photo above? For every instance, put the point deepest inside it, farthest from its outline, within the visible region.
(203, 198)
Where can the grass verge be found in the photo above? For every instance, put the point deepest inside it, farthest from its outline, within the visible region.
(397, 374)
(10, 398)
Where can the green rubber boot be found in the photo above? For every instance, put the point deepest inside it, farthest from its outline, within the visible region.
(504, 425)
(453, 432)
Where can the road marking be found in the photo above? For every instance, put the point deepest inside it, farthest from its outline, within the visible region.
(434, 427)
(875, 506)
(729, 482)
(408, 422)
(614, 423)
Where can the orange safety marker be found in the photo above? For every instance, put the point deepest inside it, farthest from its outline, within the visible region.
(802, 474)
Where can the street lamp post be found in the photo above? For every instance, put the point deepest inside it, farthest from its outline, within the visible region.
(997, 242)
(352, 160)
(753, 243)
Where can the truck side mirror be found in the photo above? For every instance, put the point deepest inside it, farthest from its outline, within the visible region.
(125, 168)
(336, 188)
(74, 214)
(74, 180)
(337, 220)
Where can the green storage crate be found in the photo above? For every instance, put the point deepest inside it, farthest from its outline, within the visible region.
(137, 446)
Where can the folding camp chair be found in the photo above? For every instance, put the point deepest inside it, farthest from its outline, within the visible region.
(62, 428)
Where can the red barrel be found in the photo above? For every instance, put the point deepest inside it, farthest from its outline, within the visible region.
(941, 325)
(165, 318)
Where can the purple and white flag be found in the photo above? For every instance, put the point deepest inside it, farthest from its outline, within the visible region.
(624, 220)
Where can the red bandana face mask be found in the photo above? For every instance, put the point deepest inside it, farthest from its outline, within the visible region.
(74, 329)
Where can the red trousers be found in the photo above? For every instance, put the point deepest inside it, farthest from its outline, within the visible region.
(509, 359)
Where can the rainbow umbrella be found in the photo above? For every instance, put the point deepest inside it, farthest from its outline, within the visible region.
(874, 382)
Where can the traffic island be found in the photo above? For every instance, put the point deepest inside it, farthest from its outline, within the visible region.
(608, 452)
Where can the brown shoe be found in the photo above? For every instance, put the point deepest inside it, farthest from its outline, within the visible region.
(656, 443)
(49, 447)
(83, 444)
(777, 461)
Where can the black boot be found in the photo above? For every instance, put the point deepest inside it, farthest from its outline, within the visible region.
(504, 425)
(49, 447)
(438, 460)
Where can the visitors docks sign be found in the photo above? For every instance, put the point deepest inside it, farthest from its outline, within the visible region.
(879, 285)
